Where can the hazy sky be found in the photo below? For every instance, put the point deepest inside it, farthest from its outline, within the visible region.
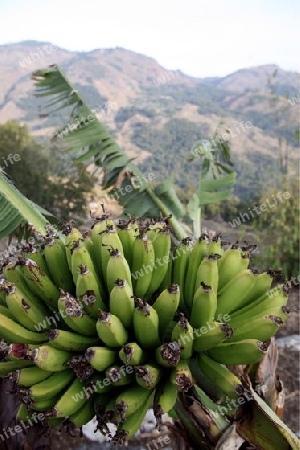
(199, 37)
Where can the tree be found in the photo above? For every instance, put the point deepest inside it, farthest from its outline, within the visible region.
(32, 169)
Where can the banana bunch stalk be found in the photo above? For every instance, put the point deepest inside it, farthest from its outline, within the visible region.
(122, 320)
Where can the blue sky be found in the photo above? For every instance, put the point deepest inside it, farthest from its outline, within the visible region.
(199, 37)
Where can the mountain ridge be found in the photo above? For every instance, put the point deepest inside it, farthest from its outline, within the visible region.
(155, 107)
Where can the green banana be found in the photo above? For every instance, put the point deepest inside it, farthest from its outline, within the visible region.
(154, 229)
(45, 403)
(117, 266)
(6, 312)
(100, 357)
(57, 264)
(80, 256)
(72, 235)
(168, 355)
(162, 246)
(98, 228)
(68, 340)
(38, 281)
(131, 399)
(228, 383)
(130, 426)
(127, 237)
(181, 376)
(215, 246)
(208, 272)
(111, 330)
(23, 414)
(204, 306)
(54, 422)
(262, 328)
(97, 384)
(148, 375)
(100, 403)
(70, 401)
(247, 351)
(74, 315)
(110, 239)
(83, 415)
(143, 260)
(245, 260)
(228, 318)
(89, 245)
(30, 251)
(50, 358)
(146, 325)
(88, 291)
(12, 332)
(212, 334)
(50, 387)
(231, 297)
(183, 333)
(165, 398)
(112, 415)
(230, 265)
(2, 292)
(166, 306)
(281, 312)
(262, 304)
(29, 376)
(197, 254)
(7, 367)
(180, 267)
(121, 302)
(167, 280)
(132, 354)
(261, 285)
(120, 376)
(26, 311)
(81, 367)
(13, 274)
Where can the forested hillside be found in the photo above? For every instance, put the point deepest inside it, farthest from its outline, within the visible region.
(159, 115)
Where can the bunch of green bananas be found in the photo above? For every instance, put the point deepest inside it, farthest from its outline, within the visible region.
(123, 320)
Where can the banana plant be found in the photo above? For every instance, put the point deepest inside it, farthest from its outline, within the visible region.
(215, 174)
(88, 140)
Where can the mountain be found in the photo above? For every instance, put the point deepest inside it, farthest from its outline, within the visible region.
(159, 113)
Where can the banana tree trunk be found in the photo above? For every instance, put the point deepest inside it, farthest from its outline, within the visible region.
(254, 422)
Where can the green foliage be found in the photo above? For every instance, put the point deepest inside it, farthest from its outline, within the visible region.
(31, 169)
(91, 142)
(91, 95)
(126, 113)
(16, 210)
(170, 148)
(280, 227)
(30, 172)
(207, 98)
(68, 195)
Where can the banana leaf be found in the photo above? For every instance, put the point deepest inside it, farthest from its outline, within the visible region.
(88, 141)
(209, 191)
(17, 210)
